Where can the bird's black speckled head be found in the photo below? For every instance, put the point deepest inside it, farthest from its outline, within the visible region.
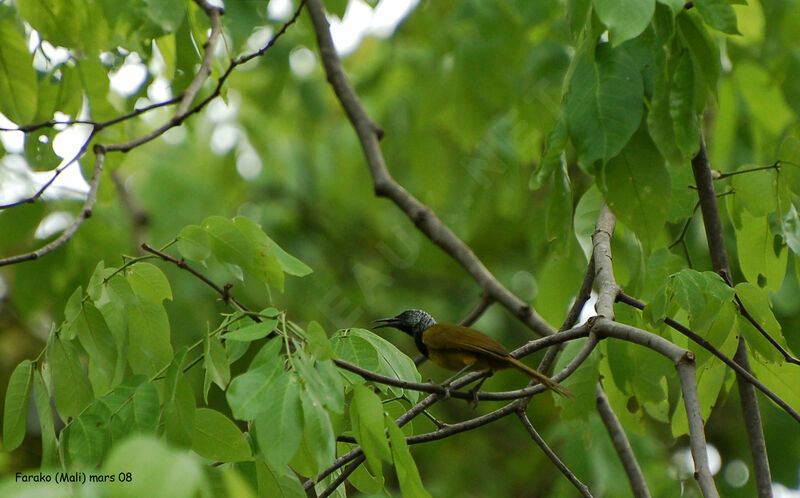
(412, 322)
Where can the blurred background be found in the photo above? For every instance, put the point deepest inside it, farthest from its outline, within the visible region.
(465, 92)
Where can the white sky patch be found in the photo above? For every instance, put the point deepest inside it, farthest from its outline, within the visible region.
(260, 37)
(129, 77)
(224, 138)
(348, 32)
(248, 163)
(280, 10)
(302, 61)
(220, 111)
(52, 224)
(13, 141)
(388, 14)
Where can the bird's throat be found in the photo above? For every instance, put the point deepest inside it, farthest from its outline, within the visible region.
(421, 345)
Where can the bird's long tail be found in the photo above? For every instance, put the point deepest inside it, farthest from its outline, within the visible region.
(542, 378)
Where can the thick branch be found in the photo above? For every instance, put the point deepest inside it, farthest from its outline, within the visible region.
(683, 359)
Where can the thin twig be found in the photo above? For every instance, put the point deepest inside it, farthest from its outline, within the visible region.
(775, 166)
(86, 212)
(182, 114)
(621, 444)
(476, 311)
(56, 173)
(697, 338)
(581, 487)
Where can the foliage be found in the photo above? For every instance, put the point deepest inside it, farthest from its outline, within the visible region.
(530, 116)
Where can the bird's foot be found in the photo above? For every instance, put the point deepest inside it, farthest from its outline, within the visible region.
(473, 403)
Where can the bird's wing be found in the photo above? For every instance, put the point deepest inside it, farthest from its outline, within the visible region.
(451, 336)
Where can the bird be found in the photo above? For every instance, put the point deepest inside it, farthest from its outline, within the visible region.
(455, 347)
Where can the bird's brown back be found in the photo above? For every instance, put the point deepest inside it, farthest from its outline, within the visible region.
(457, 337)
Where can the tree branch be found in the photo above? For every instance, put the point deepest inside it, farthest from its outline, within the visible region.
(697, 338)
(581, 487)
(385, 186)
(621, 444)
(86, 212)
(683, 359)
(719, 261)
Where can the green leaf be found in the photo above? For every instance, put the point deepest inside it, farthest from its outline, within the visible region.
(782, 379)
(555, 143)
(761, 256)
(217, 438)
(317, 343)
(98, 341)
(169, 472)
(585, 218)
(604, 103)
(194, 244)
(333, 394)
(148, 331)
(718, 14)
(168, 14)
(149, 283)
(582, 383)
(718, 333)
(371, 351)
(277, 481)
(289, 263)
(179, 413)
(791, 230)
(279, 428)
(756, 302)
(95, 287)
(763, 96)
(659, 120)
(757, 191)
(265, 265)
(789, 161)
(145, 408)
(625, 19)
(72, 389)
(702, 47)
(72, 309)
(558, 226)
(407, 472)
(361, 478)
(252, 332)
(18, 84)
(686, 123)
(268, 352)
(216, 362)
(228, 243)
(637, 188)
(248, 394)
(87, 439)
(46, 422)
(366, 417)
(318, 436)
(94, 80)
(15, 410)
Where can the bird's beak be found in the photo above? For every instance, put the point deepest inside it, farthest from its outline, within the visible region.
(385, 322)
